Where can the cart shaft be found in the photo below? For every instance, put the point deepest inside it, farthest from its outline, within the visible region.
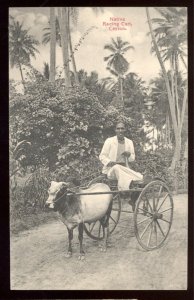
(109, 192)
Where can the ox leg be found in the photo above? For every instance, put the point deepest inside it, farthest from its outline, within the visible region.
(105, 227)
(70, 238)
(80, 237)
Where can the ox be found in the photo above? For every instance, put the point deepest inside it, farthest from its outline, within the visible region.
(75, 210)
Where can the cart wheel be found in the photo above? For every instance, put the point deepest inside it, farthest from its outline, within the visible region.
(153, 215)
(95, 230)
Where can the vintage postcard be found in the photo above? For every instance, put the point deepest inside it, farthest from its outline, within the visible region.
(98, 132)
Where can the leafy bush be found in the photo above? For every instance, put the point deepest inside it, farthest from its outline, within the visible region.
(64, 126)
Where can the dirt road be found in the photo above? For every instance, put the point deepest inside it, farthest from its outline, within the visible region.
(38, 259)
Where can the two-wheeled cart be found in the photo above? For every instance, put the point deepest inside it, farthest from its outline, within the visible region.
(152, 213)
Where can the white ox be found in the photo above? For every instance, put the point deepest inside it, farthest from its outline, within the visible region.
(75, 210)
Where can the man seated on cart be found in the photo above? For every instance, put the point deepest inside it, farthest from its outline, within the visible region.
(116, 153)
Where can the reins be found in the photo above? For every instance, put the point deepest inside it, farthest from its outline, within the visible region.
(74, 188)
(67, 192)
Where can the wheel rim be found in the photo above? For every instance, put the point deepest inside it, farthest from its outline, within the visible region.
(153, 215)
(95, 230)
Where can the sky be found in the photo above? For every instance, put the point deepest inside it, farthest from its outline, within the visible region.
(131, 25)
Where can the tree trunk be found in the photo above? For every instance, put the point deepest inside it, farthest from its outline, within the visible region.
(171, 104)
(62, 14)
(20, 67)
(176, 88)
(72, 53)
(121, 90)
(176, 156)
(183, 61)
(184, 164)
(52, 45)
(168, 130)
(172, 85)
(176, 127)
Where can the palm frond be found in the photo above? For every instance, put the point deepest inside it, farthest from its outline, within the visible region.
(109, 47)
(127, 48)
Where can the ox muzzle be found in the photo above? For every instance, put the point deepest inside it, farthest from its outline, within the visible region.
(49, 203)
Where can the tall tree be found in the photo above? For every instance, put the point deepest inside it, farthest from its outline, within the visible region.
(22, 46)
(67, 16)
(73, 16)
(63, 23)
(47, 33)
(116, 62)
(169, 37)
(52, 45)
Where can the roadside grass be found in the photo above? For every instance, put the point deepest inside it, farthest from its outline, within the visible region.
(26, 222)
(27, 203)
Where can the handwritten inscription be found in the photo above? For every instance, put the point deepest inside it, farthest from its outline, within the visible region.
(117, 23)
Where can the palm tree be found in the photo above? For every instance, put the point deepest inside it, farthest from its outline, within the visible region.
(73, 15)
(171, 34)
(63, 23)
(21, 46)
(47, 33)
(116, 62)
(52, 45)
(168, 36)
(171, 43)
(63, 20)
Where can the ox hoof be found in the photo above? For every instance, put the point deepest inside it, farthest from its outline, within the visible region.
(68, 254)
(81, 257)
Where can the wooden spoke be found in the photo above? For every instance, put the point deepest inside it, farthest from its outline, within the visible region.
(158, 198)
(170, 208)
(113, 220)
(150, 235)
(160, 227)
(154, 203)
(145, 211)
(149, 203)
(145, 229)
(162, 202)
(155, 231)
(146, 219)
(162, 219)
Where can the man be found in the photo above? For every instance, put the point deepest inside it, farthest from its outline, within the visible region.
(116, 153)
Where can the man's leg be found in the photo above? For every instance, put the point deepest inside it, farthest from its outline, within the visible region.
(124, 176)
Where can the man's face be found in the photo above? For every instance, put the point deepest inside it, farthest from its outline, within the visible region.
(120, 131)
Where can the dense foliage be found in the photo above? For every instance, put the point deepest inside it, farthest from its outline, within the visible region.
(66, 127)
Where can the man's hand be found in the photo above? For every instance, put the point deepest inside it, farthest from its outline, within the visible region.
(111, 164)
(126, 153)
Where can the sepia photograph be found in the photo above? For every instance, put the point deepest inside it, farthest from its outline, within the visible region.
(98, 148)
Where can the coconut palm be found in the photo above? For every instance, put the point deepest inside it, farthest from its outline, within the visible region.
(116, 62)
(168, 43)
(52, 45)
(47, 33)
(66, 16)
(22, 46)
(171, 34)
